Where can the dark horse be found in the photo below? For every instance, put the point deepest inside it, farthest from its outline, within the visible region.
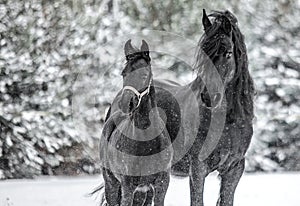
(135, 147)
(210, 120)
(224, 44)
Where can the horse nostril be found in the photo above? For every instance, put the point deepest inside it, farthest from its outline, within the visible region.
(131, 104)
(228, 54)
(217, 98)
(206, 99)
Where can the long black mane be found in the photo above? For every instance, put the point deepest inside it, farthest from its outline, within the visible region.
(240, 91)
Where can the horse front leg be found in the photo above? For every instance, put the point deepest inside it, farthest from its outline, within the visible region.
(198, 172)
(127, 195)
(229, 181)
(160, 189)
(112, 188)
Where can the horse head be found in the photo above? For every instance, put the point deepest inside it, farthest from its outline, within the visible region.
(137, 76)
(216, 49)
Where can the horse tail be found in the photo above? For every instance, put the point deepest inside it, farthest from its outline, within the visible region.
(99, 190)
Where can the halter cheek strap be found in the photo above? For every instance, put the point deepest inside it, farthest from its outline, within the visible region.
(137, 93)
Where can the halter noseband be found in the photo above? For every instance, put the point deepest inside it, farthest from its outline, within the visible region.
(137, 93)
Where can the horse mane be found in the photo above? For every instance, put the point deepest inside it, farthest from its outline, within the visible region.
(240, 91)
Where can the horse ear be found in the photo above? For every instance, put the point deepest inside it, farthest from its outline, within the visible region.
(144, 47)
(227, 26)
(205, 21)
(128, 49)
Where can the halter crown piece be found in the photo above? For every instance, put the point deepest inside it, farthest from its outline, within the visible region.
(137, 93)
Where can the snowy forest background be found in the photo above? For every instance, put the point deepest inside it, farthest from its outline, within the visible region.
(44, 45)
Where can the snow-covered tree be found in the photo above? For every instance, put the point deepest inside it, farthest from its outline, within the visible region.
(43, 45)
(56, 55)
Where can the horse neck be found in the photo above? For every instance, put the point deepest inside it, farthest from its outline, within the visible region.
(141, 114)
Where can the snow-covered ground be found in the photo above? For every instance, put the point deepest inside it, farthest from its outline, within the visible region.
(254, 189)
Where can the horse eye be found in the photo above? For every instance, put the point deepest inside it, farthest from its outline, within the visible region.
(130, 57)
(228, 54)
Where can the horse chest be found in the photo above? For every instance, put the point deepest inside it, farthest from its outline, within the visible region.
(231, 147)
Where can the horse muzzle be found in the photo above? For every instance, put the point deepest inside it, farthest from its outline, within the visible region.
(211, 101)
(128, 102)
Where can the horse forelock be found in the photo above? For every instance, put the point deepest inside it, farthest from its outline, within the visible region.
(210, 41)
(135, 57)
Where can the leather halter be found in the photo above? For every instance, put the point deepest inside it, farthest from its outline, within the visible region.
(137, 93)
